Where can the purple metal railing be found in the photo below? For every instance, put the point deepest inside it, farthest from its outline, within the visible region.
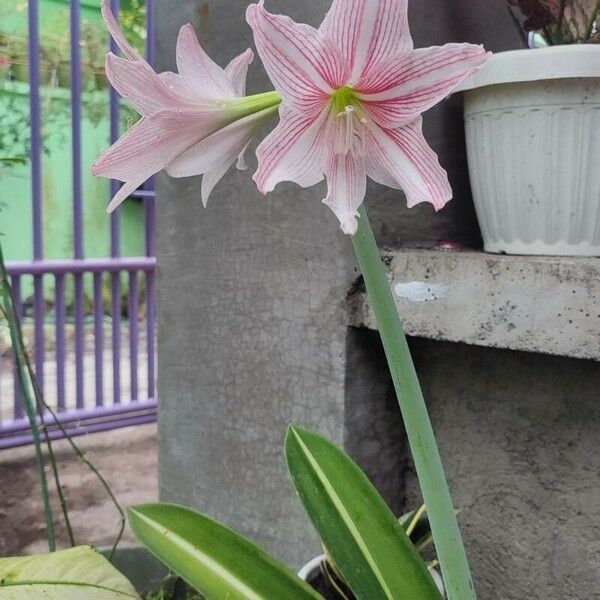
(91, 410)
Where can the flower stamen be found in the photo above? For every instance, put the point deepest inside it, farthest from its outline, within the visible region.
(350, 132)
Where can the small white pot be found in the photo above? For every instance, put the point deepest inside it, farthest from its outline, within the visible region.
(532, 121)
(310, 566)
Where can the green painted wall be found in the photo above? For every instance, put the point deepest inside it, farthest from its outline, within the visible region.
(13, 15)
(15, 181)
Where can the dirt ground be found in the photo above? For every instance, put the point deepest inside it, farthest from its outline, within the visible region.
(127, 458)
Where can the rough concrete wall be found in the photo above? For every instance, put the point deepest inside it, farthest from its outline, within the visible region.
(519, 435)
(374, 433)
(251, 328)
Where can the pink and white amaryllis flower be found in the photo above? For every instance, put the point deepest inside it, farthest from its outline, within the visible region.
(193, 122)
(353, 92)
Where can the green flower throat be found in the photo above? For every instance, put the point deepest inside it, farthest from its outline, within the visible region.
(343, 98)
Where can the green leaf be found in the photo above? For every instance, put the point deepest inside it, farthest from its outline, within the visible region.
(75, 574)
(212, 558)
(366, 542)
(420, 535)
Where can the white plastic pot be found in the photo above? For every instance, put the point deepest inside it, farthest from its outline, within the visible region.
(310, 567)
(532, 121)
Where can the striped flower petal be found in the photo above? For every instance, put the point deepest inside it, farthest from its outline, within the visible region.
(399, 88)
(294, 150)
(304, 66)
(117, 33)
(124, 192)
(200, 72)
(210, 180)
(150, 145)
(368, 31)
(137, 82)
(355, 112)
(237, 72)
(217, 152)
(402, 159)
(347, 186)
(182, 93)
(154, 141)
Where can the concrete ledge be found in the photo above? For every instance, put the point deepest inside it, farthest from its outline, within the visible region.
(549, 305)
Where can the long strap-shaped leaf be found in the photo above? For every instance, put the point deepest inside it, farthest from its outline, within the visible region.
(75, 574)
(212, 558)
(366, 542)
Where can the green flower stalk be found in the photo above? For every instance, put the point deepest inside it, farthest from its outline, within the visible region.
(428, 463)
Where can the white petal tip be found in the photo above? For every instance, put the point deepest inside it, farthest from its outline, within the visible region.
(253, 9)
(350, 228)
(117, 201)
(439, 207)
(248, 54)
(188, 27)
(263, 187)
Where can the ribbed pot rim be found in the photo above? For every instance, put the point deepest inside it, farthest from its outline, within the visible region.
(554, 62)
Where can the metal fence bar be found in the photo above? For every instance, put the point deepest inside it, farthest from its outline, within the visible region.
(115, 218)
(150, 32)
(36, 129)
(61, 343)
(133, 333)
(99, 338)
(115, 241)
(39, 336)
(71, 417)
(82, 429)
(36, 183)
(150, 298)
(90, 265)
(116, 335)
(79, 341)
(78, 251)
(150, 226)
(78, 241)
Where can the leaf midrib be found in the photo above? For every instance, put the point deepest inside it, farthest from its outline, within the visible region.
(64, 583)
(213, 565)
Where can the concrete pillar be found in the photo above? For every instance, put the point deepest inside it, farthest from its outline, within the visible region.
(251, 331)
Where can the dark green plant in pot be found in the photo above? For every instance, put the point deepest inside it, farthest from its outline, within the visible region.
(369, 547)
